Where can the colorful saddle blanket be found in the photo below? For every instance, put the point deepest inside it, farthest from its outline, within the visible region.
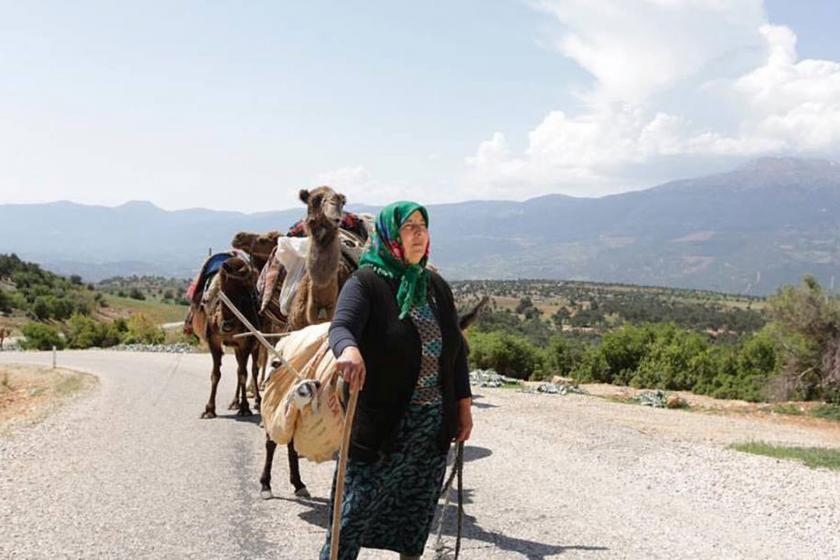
(209, 269)
(349, 221)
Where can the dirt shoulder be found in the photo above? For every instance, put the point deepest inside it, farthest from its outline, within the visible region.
(767, 412)
(28, 394)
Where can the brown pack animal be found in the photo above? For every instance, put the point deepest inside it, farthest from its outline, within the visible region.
(258, 246)
(316, 295)
(326, 270)
(216, 325)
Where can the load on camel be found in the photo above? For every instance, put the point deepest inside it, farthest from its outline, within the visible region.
(216, 325)
(258, 246)
(299, 285)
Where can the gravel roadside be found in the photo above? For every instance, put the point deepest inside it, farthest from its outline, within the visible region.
(129, 471)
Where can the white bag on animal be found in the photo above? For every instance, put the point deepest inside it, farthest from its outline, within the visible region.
(314, 416)
(291, 252)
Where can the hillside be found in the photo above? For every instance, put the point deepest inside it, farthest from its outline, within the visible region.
(747, 231)
(29, 294)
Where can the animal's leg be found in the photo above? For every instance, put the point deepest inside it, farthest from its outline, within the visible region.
(255, 372)
(265, 479)
(234, 404)
(215, 375)
(242, 379)
(294, 472)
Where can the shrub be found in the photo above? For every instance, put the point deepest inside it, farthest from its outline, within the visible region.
(674, 360)
(135, 293)
(562, 356)
(141, 330)
(508, 354)
(5, 302)
(592, 367)
(85, 332)
(41, 337)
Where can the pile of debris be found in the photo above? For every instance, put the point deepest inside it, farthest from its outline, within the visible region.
(660, 399)
(177, 348)
(556, 389)
(489, 378)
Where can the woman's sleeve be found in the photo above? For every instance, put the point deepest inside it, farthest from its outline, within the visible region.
(351, 315)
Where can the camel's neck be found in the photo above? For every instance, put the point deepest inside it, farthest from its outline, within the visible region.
(322, 260)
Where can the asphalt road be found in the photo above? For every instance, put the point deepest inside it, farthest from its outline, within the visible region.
(130, 471)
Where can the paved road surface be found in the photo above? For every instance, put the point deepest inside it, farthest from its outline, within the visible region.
(130, 471)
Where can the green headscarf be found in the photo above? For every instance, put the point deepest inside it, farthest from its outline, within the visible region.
(386, 257)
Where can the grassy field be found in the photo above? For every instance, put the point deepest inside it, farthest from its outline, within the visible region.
(813, 457)
(157, 311)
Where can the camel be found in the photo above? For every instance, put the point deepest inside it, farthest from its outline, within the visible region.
(315, 297)
(257, 245)
(216, 325)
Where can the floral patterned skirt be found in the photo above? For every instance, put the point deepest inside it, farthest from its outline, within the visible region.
(390, 504)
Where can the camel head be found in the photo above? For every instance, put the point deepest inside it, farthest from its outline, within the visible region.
(324, 209)
(256, 244)
(237, 283)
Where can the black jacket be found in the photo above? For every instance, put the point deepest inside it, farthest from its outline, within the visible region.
(367, 317)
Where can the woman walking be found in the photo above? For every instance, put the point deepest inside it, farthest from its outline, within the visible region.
(396, 337)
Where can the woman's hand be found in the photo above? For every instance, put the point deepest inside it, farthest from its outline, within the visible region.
(351, 367)
(465, 423)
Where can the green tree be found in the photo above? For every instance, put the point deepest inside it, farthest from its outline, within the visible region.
(808, 332)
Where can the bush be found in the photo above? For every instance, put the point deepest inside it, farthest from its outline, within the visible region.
(624, 349)
(141, 330)
(673, 361)
(508, 354)
(135, 293)
(562, 356)
(592, 367)
(5, 302)
(85, 332)
(41, 337)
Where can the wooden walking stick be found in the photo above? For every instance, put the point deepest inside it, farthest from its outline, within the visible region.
(338, 499)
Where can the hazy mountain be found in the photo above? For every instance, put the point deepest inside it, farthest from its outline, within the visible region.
(748, 230)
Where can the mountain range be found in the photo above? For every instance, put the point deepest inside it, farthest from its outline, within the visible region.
(746, 231)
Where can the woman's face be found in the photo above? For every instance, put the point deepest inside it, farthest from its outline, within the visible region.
(414, 237)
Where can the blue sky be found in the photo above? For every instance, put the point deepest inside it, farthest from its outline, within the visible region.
(238, 105)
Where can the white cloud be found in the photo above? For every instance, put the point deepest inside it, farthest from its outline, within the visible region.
(661, 70)
(357, 184)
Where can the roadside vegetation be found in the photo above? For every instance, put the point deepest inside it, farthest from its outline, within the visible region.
(814, 457)
(55, 311)
(786, 347)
